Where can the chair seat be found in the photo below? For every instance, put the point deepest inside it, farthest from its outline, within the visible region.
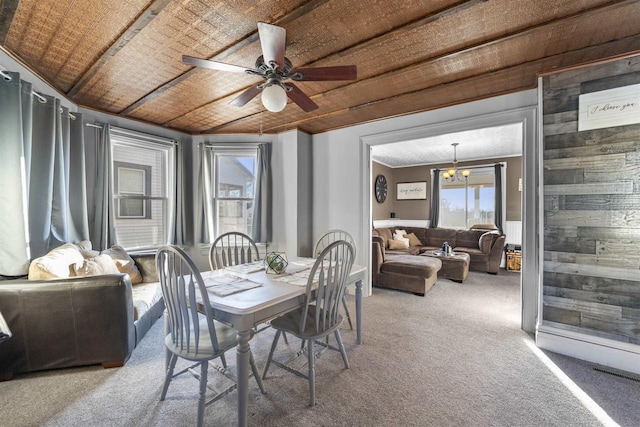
(227, 338)
(290, 322)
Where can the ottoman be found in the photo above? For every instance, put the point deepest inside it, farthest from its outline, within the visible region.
(410, 273)
(454, 267)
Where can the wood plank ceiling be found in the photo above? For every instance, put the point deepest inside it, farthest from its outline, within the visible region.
(124, 57)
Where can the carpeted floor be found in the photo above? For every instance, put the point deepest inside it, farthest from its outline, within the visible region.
(456, 357)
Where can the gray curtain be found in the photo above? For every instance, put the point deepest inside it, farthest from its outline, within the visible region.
(42, 188)
(104, 233)
(179, 226)
(204, 201)
(435, 199)
(498, 217)
(15, 147)
(262, 202)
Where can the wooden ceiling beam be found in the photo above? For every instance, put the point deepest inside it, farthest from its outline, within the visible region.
(138, 25)
(447, 55)
(219, 56)
(299, 12)
(7, 12)
(520, 77)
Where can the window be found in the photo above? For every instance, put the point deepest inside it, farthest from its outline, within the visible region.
(131, 182)
(234, 182)
(463, 204)
(143, 176)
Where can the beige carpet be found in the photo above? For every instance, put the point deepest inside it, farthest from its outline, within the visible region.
(456, 357)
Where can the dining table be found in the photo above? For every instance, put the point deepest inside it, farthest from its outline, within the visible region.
(258, 297)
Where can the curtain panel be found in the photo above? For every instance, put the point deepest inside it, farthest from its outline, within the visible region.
(262, 204)
(435, 199)
(43, 186)
(499, 200)
(104, 232)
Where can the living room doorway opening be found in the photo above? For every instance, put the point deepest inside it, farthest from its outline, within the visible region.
(482, 141)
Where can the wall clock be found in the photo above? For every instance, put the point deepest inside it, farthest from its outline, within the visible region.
(381, 188)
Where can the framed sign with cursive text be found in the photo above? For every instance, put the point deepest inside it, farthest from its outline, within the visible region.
(411, 191)
(608, 108)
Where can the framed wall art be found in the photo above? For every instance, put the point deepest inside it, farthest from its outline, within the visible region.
(412, 190)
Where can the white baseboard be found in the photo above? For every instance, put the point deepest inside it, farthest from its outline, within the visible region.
(603, 351)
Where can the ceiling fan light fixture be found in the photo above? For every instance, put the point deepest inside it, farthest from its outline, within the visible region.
(274, 98)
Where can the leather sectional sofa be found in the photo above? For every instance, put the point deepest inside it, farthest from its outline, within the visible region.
(399, 268)
(75, 321)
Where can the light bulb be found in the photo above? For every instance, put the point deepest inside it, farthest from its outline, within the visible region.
(274, 98)
(466, 173)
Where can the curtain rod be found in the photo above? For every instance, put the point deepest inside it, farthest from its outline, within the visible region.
(41, 98)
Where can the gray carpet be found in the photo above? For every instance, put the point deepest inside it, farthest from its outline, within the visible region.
(456, 357)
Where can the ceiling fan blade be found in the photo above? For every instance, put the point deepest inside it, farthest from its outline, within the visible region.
(272, 40)
(344, 72)
(300, 98)
(214, 65)
(245, 96)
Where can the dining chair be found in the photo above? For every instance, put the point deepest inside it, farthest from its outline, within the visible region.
(319, 316)
(324, 241)
(193, 334)
(232, 248)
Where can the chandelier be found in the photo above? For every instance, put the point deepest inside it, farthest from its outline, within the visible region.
(453, 173)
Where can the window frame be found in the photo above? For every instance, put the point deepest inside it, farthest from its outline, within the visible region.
(146, 174)
(483, 169)
(216, 153)
(126, 138)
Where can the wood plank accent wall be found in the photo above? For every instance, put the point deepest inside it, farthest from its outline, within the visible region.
(591, 273)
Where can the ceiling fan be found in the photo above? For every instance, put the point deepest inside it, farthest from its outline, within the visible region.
(277, 70)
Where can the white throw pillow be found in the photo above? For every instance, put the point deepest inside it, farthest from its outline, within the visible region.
(58, 263)
(398, 234)
(101, 264)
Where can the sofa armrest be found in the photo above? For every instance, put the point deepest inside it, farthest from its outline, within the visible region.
(377, 255)
(59, 323)
(495, 255)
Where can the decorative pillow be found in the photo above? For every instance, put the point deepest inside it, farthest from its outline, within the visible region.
(58, 263)
(399, 244)
(84, 245)
(102, 264)
(486, 240)
(413, 240)
(386, 235)
(399, 233)
(124, 262)
(89, 253)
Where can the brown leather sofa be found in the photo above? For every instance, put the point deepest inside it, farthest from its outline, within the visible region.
(75, 321)
(484, 247)
(402, 271)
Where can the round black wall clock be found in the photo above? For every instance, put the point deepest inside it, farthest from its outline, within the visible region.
(381, 188)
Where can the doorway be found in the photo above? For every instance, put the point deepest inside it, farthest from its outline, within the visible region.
(524, 120)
